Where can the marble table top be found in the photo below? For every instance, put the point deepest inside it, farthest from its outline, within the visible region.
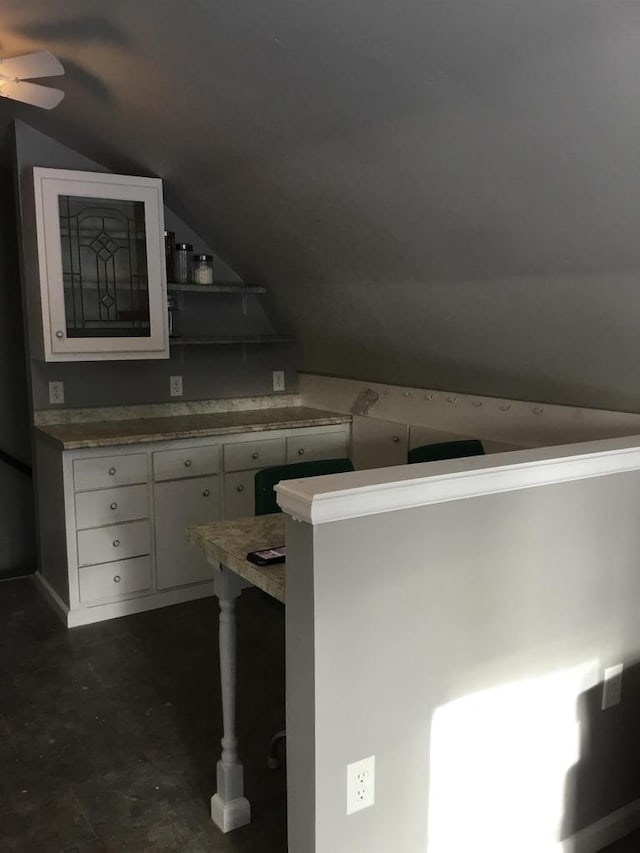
(75, 436)
(229, 542)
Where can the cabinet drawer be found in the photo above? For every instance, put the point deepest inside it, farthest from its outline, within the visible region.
(117, 541)
(239, 494)
(113, 580)
(254, 454)
(109, 506)
(109, 471)
(187, 462)
(331, 445)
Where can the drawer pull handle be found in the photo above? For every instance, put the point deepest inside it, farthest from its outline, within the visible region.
(206, 493)
(255, 455)
(187, 463)
(240, 488)
(396, 439)
(114, 505)
(301, 451)
(112, 471)
(117, 579)
(59, 335)
(116, 543)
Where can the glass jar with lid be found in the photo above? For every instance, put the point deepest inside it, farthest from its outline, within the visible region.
(183, 262)
(203, 269)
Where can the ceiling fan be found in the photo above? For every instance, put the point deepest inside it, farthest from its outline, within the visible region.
(16, 70)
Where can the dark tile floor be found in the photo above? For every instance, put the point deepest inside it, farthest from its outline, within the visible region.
(109, 733)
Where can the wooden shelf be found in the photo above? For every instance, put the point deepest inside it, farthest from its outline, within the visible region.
(238, 339)
(229, 287)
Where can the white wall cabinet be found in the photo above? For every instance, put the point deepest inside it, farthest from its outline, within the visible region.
(112, 521)
(101, 262)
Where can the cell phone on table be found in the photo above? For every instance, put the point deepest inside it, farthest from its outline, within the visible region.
(269, 556)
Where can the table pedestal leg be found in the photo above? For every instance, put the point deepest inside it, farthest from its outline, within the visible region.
(229, 808)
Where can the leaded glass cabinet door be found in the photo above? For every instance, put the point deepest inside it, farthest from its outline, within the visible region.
(101, 259)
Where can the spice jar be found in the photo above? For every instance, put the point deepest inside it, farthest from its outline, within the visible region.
(183, 262)
(203, 269)
(169, 243)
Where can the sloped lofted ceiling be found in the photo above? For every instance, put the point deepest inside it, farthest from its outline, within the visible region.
(443, 193)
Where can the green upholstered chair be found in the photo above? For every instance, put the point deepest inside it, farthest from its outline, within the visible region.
(266, 479)
(445, 450)
(265, 498)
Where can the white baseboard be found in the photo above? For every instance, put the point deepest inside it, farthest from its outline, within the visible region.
(52, 596)
(608, 830)
(113, 609)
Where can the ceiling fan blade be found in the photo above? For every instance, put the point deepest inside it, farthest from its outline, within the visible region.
(31, 93)
(41, 64)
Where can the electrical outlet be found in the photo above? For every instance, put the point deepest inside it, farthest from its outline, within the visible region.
(361, 778)
(278, 380)
(56, 393)
(175, 386)
(612, 686)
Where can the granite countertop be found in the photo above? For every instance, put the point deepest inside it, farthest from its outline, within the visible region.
(229, 542)
(76, 436)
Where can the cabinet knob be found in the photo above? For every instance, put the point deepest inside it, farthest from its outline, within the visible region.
(240, 488)
(114, 505)
(59, 334)
(117, 579)
(301, 451)
(116, 543)
(396, 439)
(112, 471)
(206, 493)
(255, 455)
(187, 463)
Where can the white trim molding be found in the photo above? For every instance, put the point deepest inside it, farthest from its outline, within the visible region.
(319, 500)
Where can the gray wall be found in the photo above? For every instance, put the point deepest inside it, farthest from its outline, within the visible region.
(17, 544)
(208, 372)
(445, 641)
(441, 194)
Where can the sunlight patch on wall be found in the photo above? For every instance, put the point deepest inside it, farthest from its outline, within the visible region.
(499, 760)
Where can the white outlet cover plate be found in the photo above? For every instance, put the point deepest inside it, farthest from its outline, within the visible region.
(278, 380)
(361, 784)
(56, 393)
(175, 386)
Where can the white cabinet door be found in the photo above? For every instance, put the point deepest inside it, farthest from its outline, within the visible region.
(101, 262)
(178, 504)
(239, 494)
(377, 443)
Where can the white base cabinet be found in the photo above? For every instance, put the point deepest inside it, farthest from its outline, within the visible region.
(112, 521)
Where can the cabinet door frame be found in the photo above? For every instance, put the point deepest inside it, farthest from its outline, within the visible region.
(49, 184)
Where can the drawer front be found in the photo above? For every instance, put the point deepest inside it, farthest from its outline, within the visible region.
(110, 506)
(254, 454)
(187, 462)
(114, 580)
(239, 494)
(331, 445)
(115, 542)
(109, 471)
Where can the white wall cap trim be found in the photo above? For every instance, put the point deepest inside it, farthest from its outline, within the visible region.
(319, 500)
